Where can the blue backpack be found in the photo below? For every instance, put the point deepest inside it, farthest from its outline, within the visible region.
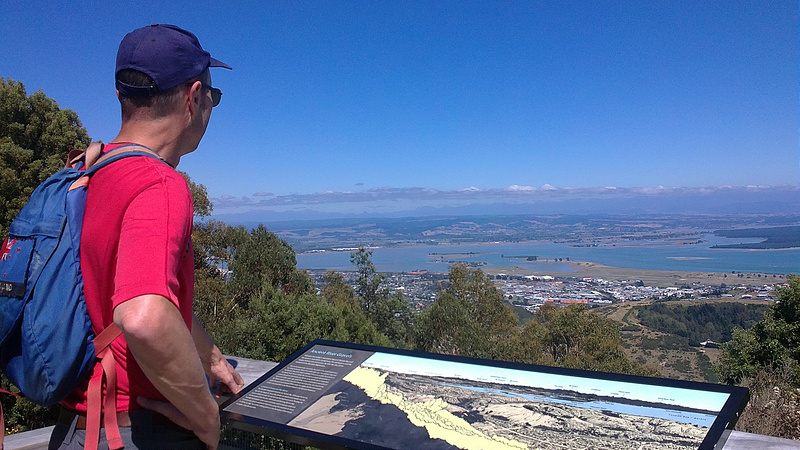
(47, 345)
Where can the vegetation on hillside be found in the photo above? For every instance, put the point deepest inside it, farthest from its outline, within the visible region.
(766, 358)
(704, 322)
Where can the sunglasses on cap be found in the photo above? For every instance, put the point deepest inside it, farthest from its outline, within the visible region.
(216, 94)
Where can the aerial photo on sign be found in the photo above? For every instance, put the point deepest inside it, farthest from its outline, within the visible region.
(389, 400)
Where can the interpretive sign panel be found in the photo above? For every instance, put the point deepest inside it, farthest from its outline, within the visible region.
(339, 395)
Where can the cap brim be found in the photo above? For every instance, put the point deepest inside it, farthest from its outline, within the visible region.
(218, 63)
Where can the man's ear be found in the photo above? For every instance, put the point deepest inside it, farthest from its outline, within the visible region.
(193, 97)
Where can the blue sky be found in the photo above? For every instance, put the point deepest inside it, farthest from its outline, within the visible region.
(376, 105)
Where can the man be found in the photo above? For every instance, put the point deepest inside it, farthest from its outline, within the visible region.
(136, 255)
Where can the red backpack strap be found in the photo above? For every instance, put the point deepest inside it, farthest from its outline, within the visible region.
(104, 371)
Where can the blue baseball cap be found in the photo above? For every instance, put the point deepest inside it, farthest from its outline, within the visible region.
(168, 54)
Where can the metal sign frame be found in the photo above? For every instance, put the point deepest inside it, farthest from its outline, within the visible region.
(273, 404)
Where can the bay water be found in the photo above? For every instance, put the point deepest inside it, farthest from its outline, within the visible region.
(648, 255)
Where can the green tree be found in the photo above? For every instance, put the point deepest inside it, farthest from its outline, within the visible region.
(336, 291)
(213, 250)
(21, 414)
(35, 139)
(263, 258)
(445, 326)
(470, 318)
(232, 265)
(214, 244)
(202, 204)
(394, 317)
(369, 280)
(391, 314)
(574, 337)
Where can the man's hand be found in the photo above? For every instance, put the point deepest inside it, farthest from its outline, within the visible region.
(220, 370)
(214, 363)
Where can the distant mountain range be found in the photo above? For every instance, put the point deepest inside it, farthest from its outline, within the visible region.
(717, 201)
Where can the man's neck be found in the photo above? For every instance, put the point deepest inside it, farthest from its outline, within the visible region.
(161, 139)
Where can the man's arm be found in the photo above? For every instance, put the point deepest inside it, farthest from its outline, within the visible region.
(165, 350)
(214, 363)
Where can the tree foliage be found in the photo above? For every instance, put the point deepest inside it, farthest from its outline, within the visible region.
(471, 318)
(369, 280)
(35, 138)
(276, 324)
(391, 313)
(214, 244)
(263, 258)
(202, 204)
(336, 291)
(772, 343)
(766, 358)
(574, 337)
(707, 321)
(256, 304)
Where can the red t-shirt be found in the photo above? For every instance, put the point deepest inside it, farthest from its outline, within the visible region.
(136, 240)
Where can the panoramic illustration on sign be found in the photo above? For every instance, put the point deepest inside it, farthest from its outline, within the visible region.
(391, 400)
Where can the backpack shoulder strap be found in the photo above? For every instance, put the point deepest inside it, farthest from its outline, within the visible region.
(118, 153)
(93, 152)
(104, 372)
(93, 159)
(86, 158)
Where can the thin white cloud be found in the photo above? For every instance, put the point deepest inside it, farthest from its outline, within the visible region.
(515, 187)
